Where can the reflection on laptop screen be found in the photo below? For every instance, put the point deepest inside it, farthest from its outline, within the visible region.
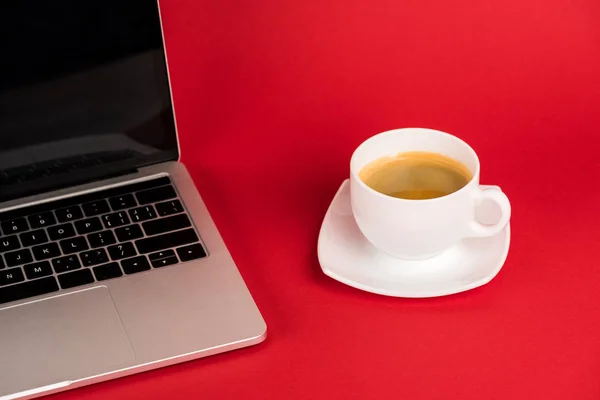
(83, 92)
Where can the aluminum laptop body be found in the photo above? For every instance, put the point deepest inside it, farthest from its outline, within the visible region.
(110, 263)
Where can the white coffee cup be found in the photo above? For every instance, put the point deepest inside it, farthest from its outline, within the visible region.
(420, 229)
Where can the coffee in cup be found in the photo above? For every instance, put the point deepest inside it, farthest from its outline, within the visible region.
(414, 193)
(416, 175)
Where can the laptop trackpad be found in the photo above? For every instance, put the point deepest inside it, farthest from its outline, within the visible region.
(61, 339)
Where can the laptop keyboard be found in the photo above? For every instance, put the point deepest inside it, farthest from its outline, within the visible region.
(94, 237)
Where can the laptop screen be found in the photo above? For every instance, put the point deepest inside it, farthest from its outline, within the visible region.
(84, 92)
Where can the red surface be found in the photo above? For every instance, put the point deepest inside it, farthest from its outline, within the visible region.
(272, 97)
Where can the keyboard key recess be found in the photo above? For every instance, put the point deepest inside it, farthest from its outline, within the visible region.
(69, 214)
(169, 207)
(191, 252)
(95, 208)
(93, 257)
(156, 195)
(166, 224)
(18, 257)
(107, 271)
(122, 250)
(41, 220)
(142, 213)
(101, 239)
(73, 245)
(15, 226)
(33, 237)
(116, 219)
(9, 243)
(77, 278)
(46, 251)
(28, 289)
(135, 264)
(38, 270)
(166, 241)
(121, 202)
(64, 264)
(88, 225)
(129, 232)
(59, 232)
(11, 275)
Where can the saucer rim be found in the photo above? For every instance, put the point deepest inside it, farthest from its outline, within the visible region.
(385, 292)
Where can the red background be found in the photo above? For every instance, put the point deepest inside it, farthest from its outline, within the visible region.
(272, 96)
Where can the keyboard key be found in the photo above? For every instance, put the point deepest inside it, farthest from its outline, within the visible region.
(122, 250)
(94, 257)
(156, 194)
(169, 207)
(59, 232)
(163, 258)
(11, 275)
(95, 207)
(38, 270)
(115, 219)
(41, 220)
(161, 254)
(107, 271)
(121, 202)
(191, 252)
(2, 265)
(45, 251)
(28, 289)
(88, 225)
(130, 232)
(14, 226)
(69, 214)
(135, 264)
(142, 213)
(72, 202)
(9, 243)
(165, 241)
(101, 239)
(64, 264)
(163, 262)
(18, 257)
(167, 224)
(73, 245)
(33, 237)
(77, 278)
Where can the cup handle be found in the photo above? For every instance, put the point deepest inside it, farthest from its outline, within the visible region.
(495, 194)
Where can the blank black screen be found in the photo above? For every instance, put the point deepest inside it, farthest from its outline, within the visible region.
(83, 92)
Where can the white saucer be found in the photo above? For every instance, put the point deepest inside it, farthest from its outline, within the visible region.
(347, 256)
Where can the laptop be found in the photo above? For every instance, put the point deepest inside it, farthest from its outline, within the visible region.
(110, 263)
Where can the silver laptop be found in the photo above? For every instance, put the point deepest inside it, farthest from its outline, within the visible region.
(110, 263)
